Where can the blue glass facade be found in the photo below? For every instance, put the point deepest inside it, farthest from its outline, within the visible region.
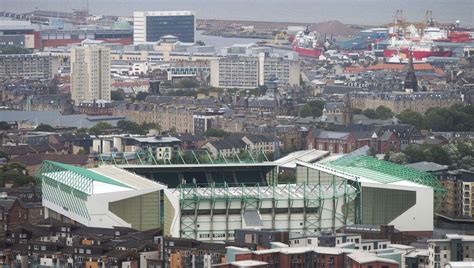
(179, 26)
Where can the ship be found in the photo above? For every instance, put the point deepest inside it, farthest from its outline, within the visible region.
(419, 51)
(306, 44)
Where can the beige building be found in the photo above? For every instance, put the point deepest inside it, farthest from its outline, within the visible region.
(90, 72)
(399, 101)
(178, 118)
(237, 71)
(452, 248)
(36, 66)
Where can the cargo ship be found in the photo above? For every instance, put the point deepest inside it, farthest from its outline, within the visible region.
(306, 44)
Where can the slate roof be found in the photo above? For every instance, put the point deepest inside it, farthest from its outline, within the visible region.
(336, 89)
(323, 134)
(334, 105)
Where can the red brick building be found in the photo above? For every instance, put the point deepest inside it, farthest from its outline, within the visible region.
(332, 141)
(295, 257)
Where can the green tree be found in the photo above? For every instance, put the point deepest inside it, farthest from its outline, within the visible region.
(45, 128)
(188, 83)
(439, 155)
(312, 108)
(357, 111)
(117, 95)
(214, 132)
(131, 127)
(16, 173)
(383, 112)
(100, 128)
(370, 113)
(396, 157)
(411, 118)
(414, 154)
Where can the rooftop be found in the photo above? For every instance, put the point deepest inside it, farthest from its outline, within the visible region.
(362, 257)
(427, 166)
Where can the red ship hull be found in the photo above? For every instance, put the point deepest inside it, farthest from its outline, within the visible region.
(417, 55)
(308, 52)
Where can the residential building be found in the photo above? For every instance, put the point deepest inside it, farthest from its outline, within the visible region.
(161, 147)
(296, 257)
(450, 249)
(32, 66)
(14, 212)
(151, 26)
(179, 252)
(190, 141)
(235, 71)
(90, 72)
(249, 72)
(176, 118)
(398, 102)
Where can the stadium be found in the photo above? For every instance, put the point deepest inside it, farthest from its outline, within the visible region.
(331, 193)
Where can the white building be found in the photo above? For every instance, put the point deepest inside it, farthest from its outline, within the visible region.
(90, 72)
(249, 71)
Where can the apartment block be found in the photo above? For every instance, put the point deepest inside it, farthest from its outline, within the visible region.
(26, 66)
(90, 72)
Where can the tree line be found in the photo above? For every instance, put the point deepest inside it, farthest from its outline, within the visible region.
(455, 118)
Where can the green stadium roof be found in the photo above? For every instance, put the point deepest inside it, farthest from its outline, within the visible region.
(78, 178)
(384, 172)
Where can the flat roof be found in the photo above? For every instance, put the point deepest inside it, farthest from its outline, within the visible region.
(362, 257)
(248, 263)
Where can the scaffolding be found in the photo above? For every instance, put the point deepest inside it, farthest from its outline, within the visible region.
(325, 206)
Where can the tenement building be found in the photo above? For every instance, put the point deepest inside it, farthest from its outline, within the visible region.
(399, 101)
(26, 66)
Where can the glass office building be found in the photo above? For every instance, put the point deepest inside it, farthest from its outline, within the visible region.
(151, 26)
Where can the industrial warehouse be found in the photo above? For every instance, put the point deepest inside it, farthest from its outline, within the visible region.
(335, 192)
